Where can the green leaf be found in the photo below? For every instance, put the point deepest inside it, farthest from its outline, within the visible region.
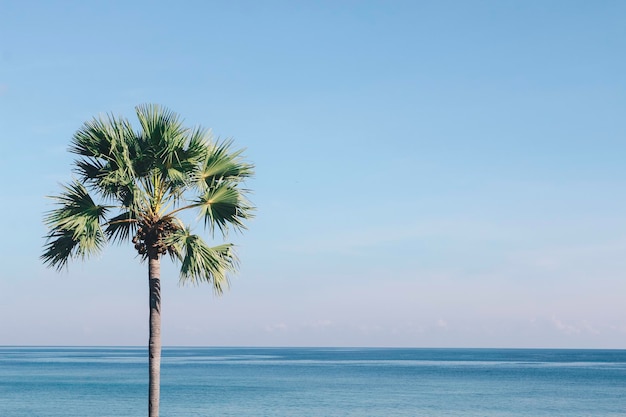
(120, 227)
(222, 164)
(202, 263)
(222, 206)
(75, 229)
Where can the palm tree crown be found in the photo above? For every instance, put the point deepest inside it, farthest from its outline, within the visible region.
(144, 179)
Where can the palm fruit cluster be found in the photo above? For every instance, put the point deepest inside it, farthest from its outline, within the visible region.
(154, 234)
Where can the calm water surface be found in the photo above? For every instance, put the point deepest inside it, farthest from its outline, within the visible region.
(107, 382)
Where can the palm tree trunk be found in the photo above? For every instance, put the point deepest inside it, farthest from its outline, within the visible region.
(154, 342)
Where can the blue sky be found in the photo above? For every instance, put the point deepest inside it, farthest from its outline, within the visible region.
(429, 174)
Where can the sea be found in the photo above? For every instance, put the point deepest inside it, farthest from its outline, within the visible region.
(320, 382)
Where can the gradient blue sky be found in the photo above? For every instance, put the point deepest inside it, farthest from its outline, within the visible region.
(446, 173)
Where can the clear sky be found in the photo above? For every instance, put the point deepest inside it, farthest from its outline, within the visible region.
(429, 174)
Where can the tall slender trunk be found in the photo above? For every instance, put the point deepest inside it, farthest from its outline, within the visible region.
(154, 342)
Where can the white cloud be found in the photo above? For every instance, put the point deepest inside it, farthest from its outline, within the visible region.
(579, 327)
(563, 327)
(277, 327)
(320, 324)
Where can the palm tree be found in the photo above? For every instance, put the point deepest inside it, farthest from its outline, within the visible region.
(145, 180)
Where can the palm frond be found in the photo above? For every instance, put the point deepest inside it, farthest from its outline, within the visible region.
(90, 169)
(74, 226)
(222, 164)
(183, 160)
(93, 139)
(109, 151)
(119, 228)
(170, 150)
(224, 205)
(161, 130)
(202, 263)
(101, 137)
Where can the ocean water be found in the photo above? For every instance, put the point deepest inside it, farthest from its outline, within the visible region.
(298, 382)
